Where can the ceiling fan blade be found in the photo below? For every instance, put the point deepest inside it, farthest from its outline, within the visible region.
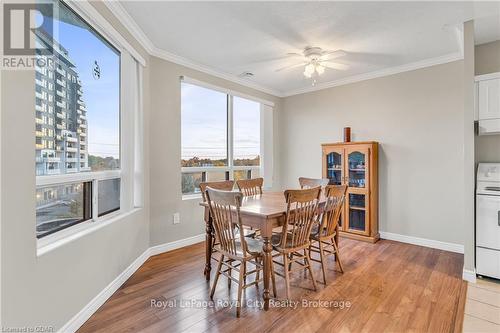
(291, 66)
(333, 54)
(334, 65)
(294, 54)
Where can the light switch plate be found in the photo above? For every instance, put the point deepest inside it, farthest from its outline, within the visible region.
(177, 218)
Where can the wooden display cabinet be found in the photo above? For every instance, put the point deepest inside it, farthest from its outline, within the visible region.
(356, 165)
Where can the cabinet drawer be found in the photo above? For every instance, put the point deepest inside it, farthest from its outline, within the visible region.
(488, 262)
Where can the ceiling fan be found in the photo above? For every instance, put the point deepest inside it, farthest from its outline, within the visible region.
(315, 60)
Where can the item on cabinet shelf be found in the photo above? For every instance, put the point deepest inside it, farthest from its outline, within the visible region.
(347, 134)
(355, 164)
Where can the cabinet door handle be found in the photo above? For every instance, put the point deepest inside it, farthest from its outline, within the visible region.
(499, 218)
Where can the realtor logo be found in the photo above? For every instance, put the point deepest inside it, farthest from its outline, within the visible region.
(21, 22)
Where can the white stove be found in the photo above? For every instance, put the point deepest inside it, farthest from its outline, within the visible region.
(488, 220)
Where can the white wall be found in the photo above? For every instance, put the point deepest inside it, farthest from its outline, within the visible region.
(468, 147)
(165, 138)
(417, 117)
(48, 290)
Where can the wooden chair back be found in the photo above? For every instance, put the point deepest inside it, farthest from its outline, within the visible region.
(335, 197)
(226, 185)
(225, 213)
(312, 182)
(250, 186)
(302, 208)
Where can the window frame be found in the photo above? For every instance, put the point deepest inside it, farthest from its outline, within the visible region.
(230, 168)
(128, 167)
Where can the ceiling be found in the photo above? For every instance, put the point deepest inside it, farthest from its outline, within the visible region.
(234, 37)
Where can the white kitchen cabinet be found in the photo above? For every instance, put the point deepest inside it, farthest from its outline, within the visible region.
(488, 103)
(489, 99)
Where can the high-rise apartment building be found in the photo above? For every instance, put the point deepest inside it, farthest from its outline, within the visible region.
(61, 115)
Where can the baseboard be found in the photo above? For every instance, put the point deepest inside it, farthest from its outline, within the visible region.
(158, 249)
(469, 275)
(451, 247)
(81, 317)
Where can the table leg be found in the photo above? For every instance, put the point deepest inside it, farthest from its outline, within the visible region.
(267, 269)
(336, 240)
(208, 248)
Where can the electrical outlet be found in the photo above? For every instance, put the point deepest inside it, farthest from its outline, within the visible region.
(177, 218)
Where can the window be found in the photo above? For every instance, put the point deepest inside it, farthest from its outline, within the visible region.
(204, 127)
(246, 132)
(220, 137)
(77, 115)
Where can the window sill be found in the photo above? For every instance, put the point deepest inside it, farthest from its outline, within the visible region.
(58, 239)
(196, 196)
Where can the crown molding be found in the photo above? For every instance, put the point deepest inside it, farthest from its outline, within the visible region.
(128, 22)
(379, 73)
(165, 55)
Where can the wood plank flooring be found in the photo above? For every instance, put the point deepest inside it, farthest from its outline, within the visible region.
(387, 287)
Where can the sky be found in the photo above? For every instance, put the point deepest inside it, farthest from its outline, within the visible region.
(204, 124)
(102, 96)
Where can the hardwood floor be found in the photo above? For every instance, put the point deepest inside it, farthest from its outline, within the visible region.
(389, 287)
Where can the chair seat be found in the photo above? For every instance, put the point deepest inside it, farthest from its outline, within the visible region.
(248, 232)
(316, 234)
(276, 241)
(254, 246)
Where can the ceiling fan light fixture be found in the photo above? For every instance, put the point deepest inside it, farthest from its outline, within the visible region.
(309, 70)
(320, 69)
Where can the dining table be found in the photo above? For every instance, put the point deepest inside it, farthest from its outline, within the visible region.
(264, 212)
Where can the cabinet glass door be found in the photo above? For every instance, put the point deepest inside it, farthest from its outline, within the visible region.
(357, 213)
(357, 162)
(334, 168)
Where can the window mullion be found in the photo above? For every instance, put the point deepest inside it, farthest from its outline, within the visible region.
(95, 201)
(230, 134)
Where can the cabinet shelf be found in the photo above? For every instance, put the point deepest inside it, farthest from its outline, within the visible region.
(357, 208)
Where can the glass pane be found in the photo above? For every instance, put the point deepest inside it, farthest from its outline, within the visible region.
(334, 168)
(61, 206)
(203, 127)
(190, 182)
(255, 173)
(246, 132)
(216, 176)
(77, 101)
(242, 174)
(357, 169)
(357, 219)
(108, 196)
(357, 200)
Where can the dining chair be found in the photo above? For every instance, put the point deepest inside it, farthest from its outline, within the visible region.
(323, 238)
(250, 186)
(226, 185)
(301, 212)
(313, 182)
(235, 249)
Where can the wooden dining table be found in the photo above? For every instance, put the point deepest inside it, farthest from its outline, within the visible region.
(264, 212)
